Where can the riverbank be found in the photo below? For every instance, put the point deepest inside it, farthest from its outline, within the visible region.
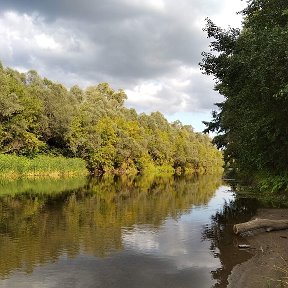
(269, 265)
(13, 167)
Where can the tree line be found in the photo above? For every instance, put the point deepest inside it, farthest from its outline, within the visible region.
(251, 71)
(39, 116)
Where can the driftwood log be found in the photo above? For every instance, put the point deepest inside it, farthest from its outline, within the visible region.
(258, 224)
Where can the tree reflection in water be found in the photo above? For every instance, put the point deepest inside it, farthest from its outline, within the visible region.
(224, 243)
(40, 225)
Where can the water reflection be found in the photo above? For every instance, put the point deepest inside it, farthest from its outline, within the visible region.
(223, 239)
(36, 228)
(124, 232)
(40, 186)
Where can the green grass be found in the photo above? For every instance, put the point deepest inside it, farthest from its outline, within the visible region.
(12, 166)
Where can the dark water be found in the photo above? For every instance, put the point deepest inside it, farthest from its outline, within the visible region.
(145, 232)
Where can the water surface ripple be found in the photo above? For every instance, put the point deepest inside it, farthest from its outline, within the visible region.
(124, 232)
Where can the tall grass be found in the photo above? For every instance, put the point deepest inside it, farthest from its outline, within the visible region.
(13, 166)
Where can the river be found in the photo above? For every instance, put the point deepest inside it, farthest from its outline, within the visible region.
(119, 232)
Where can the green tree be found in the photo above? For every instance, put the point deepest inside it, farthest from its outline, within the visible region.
(19, 115)
(77, 93)
(93, 131)
(250, 68)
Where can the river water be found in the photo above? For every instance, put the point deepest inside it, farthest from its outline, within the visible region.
(124, 232)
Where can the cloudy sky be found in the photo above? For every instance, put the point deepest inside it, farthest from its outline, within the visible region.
(149, 48)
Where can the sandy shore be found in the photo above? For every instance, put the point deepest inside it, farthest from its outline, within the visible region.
(270, 255)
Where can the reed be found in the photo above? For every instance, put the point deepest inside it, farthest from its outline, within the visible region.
(12, 166)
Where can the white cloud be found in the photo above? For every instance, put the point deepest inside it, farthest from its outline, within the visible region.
(45, 41)
(228, 15)
(144, 93)
(171, 242)
(141, 239)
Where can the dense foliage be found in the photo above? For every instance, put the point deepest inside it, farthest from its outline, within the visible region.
(38, 116)
(251, 70)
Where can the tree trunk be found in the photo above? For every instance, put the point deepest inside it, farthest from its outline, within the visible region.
(265, 224)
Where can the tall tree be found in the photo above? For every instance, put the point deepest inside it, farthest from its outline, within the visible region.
(251, 71)
(20, 114)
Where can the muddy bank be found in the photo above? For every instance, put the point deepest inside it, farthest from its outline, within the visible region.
(270, 256)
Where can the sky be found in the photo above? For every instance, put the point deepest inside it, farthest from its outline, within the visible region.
(150, 48)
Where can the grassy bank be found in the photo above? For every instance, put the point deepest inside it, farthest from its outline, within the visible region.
(12, 166)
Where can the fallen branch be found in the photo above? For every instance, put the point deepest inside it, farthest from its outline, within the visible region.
(265, 224)
(243, 246)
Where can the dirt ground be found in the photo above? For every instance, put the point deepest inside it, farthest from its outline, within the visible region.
(269, 265)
